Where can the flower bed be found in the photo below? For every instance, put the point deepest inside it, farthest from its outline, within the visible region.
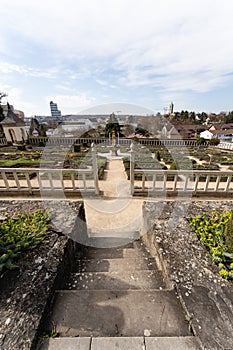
(215, 231)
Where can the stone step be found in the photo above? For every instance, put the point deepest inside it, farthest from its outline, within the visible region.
(83, 343)
(104, 242)
(122, 343)
(171, 343)
(108, 242)
(124, 264)
(118, 233)
(116, 280)
(97, 313)
(111, 238)
(115, 253)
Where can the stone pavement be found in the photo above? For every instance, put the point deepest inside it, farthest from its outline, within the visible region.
(117, 213)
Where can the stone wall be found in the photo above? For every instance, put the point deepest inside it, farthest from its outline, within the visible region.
(26, 293)
(206, 297)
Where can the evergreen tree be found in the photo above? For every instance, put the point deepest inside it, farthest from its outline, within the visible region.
(112, 125)
(229, 117)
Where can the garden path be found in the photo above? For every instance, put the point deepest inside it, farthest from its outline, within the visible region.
(116, 211)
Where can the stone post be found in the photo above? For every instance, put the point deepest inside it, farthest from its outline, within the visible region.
(132, 158)
(95, 168)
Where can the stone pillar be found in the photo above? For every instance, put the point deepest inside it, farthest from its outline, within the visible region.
(132, 161)
(95, 168)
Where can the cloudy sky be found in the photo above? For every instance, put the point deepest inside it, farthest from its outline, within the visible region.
(84, 53)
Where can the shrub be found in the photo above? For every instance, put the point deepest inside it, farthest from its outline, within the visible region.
(228, 233)
(157, 156)
(21, 234)
(214, 142)
(21, 147)
(77, 147)
(173, 166)
(215, 232)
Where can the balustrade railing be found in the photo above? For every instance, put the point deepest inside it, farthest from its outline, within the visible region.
(105, 141)
(69, 141)
(181, 181)
(3, 141)
(226, 145)
(48, 181)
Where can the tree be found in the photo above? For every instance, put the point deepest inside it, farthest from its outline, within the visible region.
(201, 141)
(229, 117)
(40, 128)
(128, 130)
(2, 95)
(143, 132)
(214, 142)
(184, 115)
(112, 125)
(202, 117)
(192, 116)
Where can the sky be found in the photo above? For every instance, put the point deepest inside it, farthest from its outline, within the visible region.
(85, 53)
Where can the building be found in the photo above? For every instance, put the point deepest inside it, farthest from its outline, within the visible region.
(13, 127)
(171, 108)
(207, 135)
(19, 114)
(82, 125)
(5, 108)
(55, 113)
(224, 135)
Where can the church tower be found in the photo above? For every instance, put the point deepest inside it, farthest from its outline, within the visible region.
(171, 108)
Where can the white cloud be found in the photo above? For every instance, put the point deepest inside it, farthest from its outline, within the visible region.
(15, 96)
(173, 45)
(70, 103)
(106, 84)
(8, 68)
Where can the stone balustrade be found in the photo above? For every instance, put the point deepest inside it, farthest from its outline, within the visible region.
(3, 141)
(75, 182)
(69, 141)
(226, 145)
(105, 141)
(190, 182)
(48, 182)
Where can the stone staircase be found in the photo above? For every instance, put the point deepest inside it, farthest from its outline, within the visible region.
(117, 299)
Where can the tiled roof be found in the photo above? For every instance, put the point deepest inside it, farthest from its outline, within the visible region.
(11, 118)
(222, 132)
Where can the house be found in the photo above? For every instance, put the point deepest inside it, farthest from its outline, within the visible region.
(77, 124)
(185, 131)
(13, 127)
(219, 126)
(224, 135)
(208, 135)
